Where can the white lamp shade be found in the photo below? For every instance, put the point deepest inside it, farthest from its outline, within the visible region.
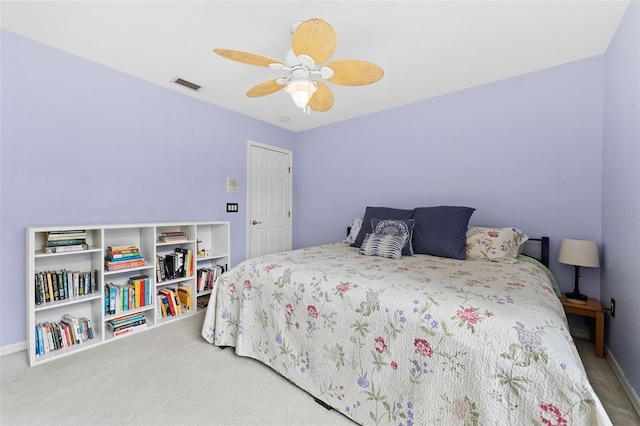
(301, 91)
(579, 253)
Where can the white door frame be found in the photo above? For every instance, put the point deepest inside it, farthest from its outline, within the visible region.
(251, 143)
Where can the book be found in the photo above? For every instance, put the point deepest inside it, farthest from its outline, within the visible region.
(114, 266)
(65, 249)
(185, 296)
(123, 251)
(118, 248)
(163, 305)
(49, 295)
(54, 283)
(74, 236)
(66, 242)
(131, 255)
(39, 342)
(173, 238)
(68, 231)
(76, 326)
(174, 233)
(88, 327)
(124, 259)
(130, 330)
(39, 292)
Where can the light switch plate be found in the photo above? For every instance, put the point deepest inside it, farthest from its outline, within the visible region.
(232, 185)
(232, 207)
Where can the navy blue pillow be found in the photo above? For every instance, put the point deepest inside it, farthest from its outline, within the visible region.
(379, 213)
(441, 231)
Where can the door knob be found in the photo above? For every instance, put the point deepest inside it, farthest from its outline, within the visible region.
(255, 222)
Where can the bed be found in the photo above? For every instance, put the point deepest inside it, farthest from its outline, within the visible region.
(420, 339)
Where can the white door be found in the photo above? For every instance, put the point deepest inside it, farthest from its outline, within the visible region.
(269, 200)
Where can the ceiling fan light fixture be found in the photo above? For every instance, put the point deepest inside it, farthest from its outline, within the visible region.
(301, 91)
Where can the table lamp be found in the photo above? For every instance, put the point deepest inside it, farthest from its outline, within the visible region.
(578, 253)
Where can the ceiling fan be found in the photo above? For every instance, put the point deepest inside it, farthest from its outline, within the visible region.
(313, 42)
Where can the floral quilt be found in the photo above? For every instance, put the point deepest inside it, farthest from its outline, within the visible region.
(418, 340)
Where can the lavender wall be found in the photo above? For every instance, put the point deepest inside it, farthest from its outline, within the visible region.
(82, 144)
(524, 152)
(621, 194)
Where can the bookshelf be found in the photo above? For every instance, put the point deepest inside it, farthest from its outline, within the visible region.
(99, 299)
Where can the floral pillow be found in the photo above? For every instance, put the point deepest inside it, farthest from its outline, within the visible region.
(495, 244)
(383, 245)
(355, 230)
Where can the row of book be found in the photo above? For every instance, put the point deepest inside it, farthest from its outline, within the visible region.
(178, 264)
(127, 324)
(51, 286)
(175, 236)
(174, 301)
(65, 241)
(207, 277)
(124, 297)
(123, 257)
(69, 331)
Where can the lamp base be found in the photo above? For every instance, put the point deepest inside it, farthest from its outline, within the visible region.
(576, 298)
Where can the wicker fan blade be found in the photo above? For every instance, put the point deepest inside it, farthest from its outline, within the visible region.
(265, 88)
(315, 38)
(322, 100)
(350, 72)
(246, 57)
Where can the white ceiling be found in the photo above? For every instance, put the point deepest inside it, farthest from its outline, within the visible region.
(426, 48)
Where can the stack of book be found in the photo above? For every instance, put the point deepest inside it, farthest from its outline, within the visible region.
(203, 301)
(71, 330)
(169, 237)
(122, 257)
(65, 241)
(127, 324)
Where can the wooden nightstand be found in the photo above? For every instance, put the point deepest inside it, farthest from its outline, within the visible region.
(592, 309)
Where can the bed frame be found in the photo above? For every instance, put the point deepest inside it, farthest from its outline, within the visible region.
(542, 250)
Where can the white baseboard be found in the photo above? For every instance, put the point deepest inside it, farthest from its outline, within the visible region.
(633, 396)
(11, 349)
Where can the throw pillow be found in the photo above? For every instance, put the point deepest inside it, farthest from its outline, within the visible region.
(441, 231)
(402, 228)
(379, 213)
(384, 245)
(495, 244)
(355, 230)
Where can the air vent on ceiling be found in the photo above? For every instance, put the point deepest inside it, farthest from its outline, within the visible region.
(187, 84)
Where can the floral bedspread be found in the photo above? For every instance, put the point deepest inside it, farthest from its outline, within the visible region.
(419, 340)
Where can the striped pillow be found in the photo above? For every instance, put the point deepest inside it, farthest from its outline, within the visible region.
(383, 245)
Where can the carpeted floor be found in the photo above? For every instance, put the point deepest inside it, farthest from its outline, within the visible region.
(170, 376)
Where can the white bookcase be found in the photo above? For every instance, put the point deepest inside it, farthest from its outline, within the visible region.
(208, 242)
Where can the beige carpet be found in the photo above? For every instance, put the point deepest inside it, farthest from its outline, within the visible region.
(170, 376)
